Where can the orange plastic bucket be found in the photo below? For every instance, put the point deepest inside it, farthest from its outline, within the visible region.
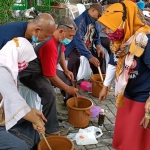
(79, 116)
(56, 143)
(97, 84)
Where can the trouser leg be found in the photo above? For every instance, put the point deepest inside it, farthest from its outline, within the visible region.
(24, 130)
(106, 44)
(74, 62)
(22, 136)
(102, 63)
(10, 142)
(66, 80)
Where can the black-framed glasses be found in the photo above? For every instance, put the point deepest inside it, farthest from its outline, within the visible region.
(72, 28)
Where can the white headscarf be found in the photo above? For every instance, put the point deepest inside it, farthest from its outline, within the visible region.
(17, 52)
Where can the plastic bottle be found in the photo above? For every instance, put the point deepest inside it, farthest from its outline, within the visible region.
(101, 118)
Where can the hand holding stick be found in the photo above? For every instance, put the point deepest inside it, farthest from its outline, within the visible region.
(100, 73)
(76, 99)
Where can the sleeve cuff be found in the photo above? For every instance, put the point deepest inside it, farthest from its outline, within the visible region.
(17, 117)
(89, 56)
(110, 75)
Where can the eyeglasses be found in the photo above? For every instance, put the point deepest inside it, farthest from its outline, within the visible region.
(72, 28)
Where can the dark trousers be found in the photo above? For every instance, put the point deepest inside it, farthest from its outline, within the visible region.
(43, 87)
(102, 63)
(74, 62)
(105, 42)
(20, 137)
(66, 80)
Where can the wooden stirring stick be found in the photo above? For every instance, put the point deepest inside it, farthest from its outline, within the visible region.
(100, 73)
(46, 142)
(76, 99)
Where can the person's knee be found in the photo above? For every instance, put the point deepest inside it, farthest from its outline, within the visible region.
(68, 82)
(48, 95)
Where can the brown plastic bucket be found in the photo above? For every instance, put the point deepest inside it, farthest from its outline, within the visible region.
(97, 84)
(79, 116)
(56, 143)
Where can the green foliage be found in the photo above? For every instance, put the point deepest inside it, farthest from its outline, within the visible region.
(42, 5)
(56, 2)
(5, 10)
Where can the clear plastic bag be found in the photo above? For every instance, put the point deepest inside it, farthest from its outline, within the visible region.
(88, 135)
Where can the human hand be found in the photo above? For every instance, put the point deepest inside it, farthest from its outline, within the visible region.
(39, 126)
(103, 93)
(99, 52)
(39, 114)
(146, 120)
(69, 74)
(147, 106)
(72, 91)
(39, 123)
(106, 31)
(94, 61)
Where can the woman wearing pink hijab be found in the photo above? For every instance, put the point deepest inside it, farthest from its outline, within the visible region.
(19, 124)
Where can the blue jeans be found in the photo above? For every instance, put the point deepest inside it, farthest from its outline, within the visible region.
(21, 137)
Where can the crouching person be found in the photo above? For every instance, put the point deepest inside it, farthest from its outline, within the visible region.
(20, 125)
(42, 73)
(87, 35)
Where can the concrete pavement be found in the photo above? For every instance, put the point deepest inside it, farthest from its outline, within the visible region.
(104, 142)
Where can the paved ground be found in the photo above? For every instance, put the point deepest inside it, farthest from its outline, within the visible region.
(104, 142)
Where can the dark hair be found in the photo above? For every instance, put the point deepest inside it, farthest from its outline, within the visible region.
(124, 11)
(104, 2)
(112, 1)
(146, 0)
(66, 22)
(137, 1)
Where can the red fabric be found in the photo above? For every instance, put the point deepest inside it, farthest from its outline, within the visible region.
(48, 55)
(128, 134)
(22, 66)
